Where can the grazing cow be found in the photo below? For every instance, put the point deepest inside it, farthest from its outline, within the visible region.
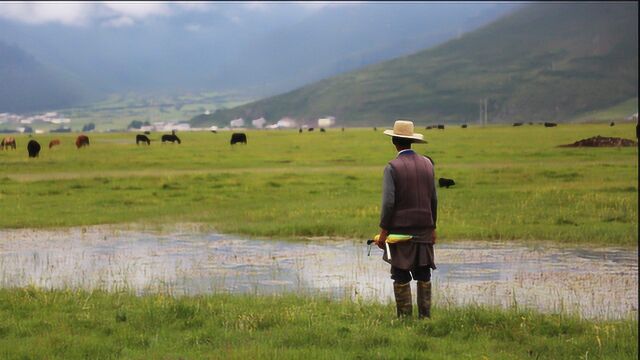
(310, 129)
(322, 130)
(612, 124)
(300, 131)
(147, 132)
(441, 127)
(342, 129)
(214, 131)
(428, 128)
(142, 138)
(238, 138)
(375, 129)
(8, 142)
(33, 148)
(171, 137)
(464, 126)
(530, 123)
(550, 124)
(444, 182)
(81, 141)
(53, 143)
(517, 124)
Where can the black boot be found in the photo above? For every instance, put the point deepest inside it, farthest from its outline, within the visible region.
(424, 299)
(403, 299)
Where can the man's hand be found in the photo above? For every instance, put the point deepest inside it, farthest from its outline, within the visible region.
(382, 238)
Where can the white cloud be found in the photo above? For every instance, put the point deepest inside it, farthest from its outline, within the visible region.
(121, 21)
(68, 13)
(137, 10)
(108, 13)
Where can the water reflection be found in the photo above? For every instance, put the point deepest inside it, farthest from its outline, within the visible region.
(600, 283)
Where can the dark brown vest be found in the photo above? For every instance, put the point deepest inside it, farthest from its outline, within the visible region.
(413, 180)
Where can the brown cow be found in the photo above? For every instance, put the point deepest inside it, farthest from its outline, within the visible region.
(53, 143)
(8, 142)
(81, 141)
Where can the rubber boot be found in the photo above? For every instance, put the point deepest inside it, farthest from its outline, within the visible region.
(403, 299)
(424, 299)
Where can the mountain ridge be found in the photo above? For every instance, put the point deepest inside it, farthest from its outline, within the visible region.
(545, 62)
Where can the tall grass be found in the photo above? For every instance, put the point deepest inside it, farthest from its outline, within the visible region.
(68, 324)
(511, 183)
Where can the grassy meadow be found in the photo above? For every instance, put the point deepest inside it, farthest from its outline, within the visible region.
(42, 324)
(511, 183)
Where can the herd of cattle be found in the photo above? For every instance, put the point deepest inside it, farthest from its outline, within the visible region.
(33, 147)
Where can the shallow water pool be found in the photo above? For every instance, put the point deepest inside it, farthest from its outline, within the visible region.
(595, 282)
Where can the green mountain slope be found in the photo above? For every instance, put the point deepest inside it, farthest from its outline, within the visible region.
(545, 62)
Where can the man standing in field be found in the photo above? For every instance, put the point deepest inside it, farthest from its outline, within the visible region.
(409, 207)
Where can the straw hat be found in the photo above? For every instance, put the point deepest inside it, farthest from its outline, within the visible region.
(404, 129)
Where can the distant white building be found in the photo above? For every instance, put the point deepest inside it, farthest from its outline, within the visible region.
(259, 123)
(287, 122)
(326, 121)
(236, 122)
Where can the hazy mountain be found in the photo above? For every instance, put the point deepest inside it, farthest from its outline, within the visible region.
(29, 85)
(545, 62)
(233, 46)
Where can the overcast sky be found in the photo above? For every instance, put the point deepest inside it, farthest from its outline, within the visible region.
(120, 14)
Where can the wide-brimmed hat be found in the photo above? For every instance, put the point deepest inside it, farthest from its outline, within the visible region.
(404, 129)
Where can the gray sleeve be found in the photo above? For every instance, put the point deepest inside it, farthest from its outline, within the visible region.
(434, 200)
(388, 198)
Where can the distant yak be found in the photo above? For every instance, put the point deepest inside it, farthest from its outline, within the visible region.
(143, 139)
(171, 138)
(53, 143)
(464, 126)
(517, 124)
(33, 147)
(238, 138)
(550, 124)
(441, 126)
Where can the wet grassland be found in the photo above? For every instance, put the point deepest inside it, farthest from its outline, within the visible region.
(512, 183)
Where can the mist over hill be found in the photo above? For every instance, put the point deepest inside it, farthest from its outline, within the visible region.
(545, 62)
(28, 85)
(256, 48)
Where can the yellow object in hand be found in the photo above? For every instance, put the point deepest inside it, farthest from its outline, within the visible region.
(394, 238)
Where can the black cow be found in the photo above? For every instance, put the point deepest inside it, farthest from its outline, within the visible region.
(323, 130)
(612, 124)
(142, 138)
(441, 127)
(464, 126)
(171, 137)
(517, 124)
(550, 124)
(238, 138)
(444, 182)
(300, 131)
(33, 147)
(375, 129)
(310, 129)
(428, 128)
